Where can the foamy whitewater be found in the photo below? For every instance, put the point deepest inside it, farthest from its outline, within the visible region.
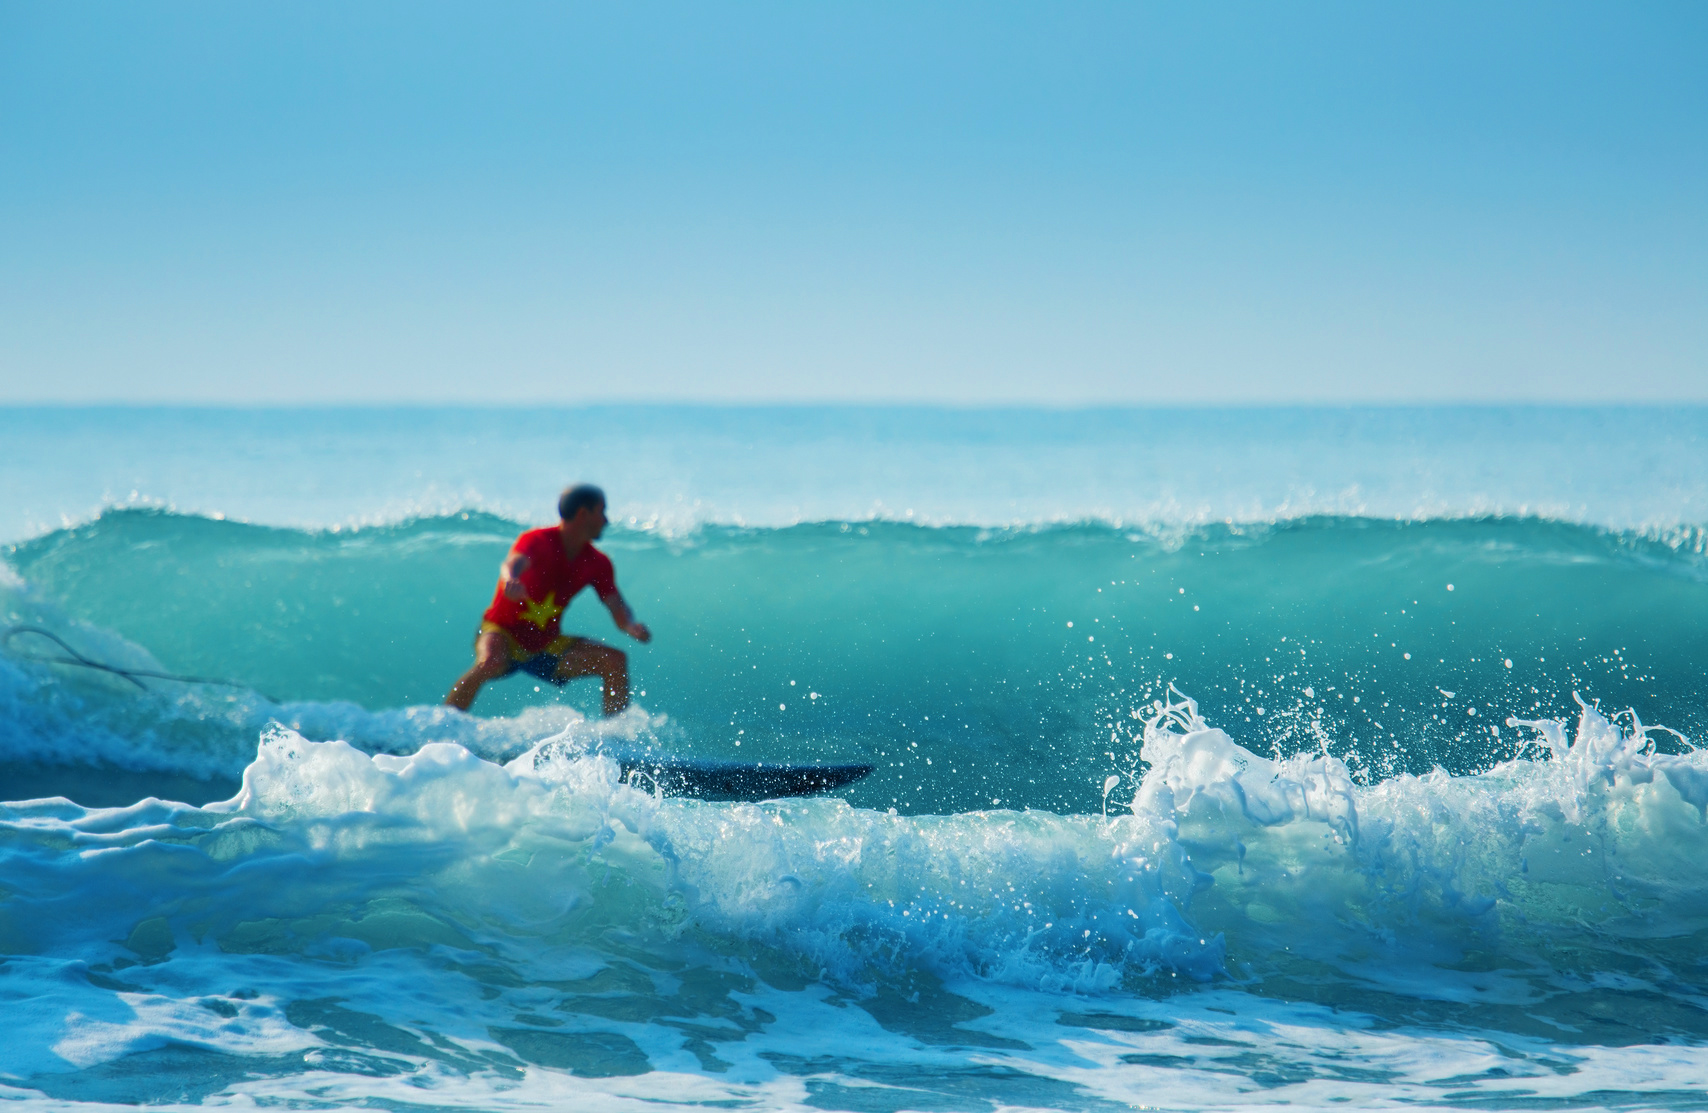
(1222, 759)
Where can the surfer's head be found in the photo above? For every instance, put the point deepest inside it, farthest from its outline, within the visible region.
(583, 504)
(574, 498)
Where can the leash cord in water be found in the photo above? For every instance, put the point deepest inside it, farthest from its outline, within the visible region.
(83, 662)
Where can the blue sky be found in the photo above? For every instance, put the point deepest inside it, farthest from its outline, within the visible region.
(963, 203)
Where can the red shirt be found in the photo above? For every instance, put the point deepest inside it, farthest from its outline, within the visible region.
(551, 580)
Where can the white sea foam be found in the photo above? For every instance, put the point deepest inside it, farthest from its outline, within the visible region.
(405, 872)
(1583, 870)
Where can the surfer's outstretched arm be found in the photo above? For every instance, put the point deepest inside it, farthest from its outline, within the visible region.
(625, 618)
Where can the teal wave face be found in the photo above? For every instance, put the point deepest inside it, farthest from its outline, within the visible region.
(969, 665)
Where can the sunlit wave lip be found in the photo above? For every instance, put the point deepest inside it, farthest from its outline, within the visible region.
(1164, 522)
(473, 526)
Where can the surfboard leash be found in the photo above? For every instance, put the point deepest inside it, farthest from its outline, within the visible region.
(133, 675)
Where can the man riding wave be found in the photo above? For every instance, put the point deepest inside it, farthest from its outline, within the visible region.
(545, 569)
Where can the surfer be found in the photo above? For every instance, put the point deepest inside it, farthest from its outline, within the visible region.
(545, 569)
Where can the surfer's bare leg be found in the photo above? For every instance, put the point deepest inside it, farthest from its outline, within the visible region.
(491, 660)
(591, 658)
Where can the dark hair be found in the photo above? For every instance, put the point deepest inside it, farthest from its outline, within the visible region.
(573, 499)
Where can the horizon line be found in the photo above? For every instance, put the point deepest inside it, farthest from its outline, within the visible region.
(781, 404)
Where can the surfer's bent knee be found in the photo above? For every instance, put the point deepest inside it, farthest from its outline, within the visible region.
(616, 663)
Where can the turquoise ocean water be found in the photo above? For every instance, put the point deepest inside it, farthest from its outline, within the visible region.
(1223, 758)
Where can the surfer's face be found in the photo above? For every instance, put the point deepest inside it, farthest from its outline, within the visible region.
(591, 519)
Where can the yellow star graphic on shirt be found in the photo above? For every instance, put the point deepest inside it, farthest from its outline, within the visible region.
(542, 611)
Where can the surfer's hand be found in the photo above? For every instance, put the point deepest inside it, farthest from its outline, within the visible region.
(510, 576)
(638, 631)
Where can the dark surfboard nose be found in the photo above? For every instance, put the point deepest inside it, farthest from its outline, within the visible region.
(721, 780)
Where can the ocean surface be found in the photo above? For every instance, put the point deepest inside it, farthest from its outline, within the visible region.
(1335, 757)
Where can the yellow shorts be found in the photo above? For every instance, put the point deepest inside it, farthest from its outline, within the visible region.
(541, 663)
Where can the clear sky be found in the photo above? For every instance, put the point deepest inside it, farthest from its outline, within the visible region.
(968, 203)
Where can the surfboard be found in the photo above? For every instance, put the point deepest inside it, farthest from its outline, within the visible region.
(735, 780)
